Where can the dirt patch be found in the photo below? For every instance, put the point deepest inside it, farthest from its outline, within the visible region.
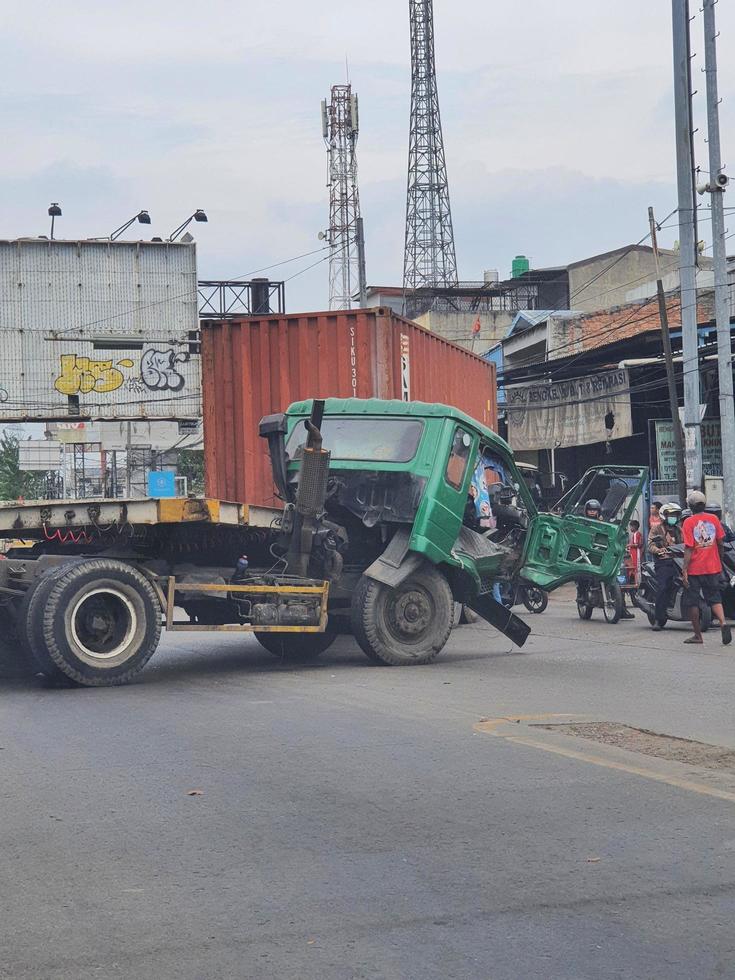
(639, 740)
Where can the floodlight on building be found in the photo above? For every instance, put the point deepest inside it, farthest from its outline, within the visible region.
(198, 215)
(54, 212)
(142, 217)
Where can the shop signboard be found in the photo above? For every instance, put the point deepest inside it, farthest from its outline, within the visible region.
(666, 455)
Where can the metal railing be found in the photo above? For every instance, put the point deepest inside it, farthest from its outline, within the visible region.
(228, 299)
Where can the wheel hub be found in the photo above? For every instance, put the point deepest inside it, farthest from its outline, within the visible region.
(411, 613)
(102, 623)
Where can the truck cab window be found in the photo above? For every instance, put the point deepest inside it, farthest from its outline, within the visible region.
(459, 456)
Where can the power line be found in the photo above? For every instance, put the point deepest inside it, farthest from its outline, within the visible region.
(607, 331)
(184, 295)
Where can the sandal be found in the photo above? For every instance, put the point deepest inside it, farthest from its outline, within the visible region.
(693, 639)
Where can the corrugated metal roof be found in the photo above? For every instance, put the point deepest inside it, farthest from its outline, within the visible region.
(525, 319)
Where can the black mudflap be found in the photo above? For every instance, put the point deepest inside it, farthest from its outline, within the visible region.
(501, 618)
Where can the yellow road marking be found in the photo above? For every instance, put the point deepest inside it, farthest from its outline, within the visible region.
(490, 727)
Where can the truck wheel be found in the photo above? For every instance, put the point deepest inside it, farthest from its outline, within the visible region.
(296, 647)
(30, 625)
(101, 622)
(405, 625)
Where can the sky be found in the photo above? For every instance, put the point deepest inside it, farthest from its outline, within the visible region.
(557, 117)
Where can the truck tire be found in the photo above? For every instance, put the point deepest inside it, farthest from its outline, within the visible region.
(101, 622)
(14, 661)
(406, 625)
(296, 647)
(30, 625)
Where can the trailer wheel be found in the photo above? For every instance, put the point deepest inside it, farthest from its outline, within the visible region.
(296, 647)
(101, 622)
(405, 625)
(30, 625)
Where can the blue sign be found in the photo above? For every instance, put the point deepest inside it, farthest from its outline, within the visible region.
(161, 483)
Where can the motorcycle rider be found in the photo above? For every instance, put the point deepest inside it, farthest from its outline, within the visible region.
(593, 511)
(661, 538)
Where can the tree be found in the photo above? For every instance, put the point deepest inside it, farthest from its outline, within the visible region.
(191, 465)
(15, 482)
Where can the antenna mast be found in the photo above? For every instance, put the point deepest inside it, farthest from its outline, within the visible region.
(340, 128)
(430, 258)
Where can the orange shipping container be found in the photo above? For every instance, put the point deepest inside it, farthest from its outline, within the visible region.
(259, 365)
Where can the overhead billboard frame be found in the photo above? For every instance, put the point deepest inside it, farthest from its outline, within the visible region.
(99, 330)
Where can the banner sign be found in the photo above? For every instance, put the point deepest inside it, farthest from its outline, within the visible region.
(711, 449)
(569, 413)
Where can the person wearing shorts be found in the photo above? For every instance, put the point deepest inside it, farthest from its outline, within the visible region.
(703, 536)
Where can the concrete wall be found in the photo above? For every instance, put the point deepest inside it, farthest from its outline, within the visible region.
(377, 298)
(457, 327)
(619, 274)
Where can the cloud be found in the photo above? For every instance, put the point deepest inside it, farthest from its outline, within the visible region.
(557, 124)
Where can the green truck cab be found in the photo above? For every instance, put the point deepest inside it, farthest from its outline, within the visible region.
(424, 507)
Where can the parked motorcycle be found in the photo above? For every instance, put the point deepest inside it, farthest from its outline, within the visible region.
(607, 596)
(645, 597)
(533, 598)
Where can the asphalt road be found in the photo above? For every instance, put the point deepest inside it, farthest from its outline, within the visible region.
(363, 822)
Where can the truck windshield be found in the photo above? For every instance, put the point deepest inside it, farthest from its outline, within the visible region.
(372, 439)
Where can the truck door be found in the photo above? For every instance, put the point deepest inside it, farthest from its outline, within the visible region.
(566, 545)
(440, 514)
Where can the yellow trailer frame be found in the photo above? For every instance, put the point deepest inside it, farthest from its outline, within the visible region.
(173, 586)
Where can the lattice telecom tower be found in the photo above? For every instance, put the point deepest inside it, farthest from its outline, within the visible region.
(430, 258)
(340, 126)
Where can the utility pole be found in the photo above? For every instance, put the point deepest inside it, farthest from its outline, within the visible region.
(361, 274)
(716, 187)
(687, 243)
(681, 474)
(129, 463)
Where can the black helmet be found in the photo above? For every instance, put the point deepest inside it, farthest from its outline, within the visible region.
(592, 505)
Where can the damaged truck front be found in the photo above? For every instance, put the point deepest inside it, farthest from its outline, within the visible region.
(424, 509)
(395, 514)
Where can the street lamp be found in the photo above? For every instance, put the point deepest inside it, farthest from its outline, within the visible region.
(198, 215)
(142, 216)
(54, 212)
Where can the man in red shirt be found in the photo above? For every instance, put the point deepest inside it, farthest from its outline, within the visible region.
(703, 537)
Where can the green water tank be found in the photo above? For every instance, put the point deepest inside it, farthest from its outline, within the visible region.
(520, 265)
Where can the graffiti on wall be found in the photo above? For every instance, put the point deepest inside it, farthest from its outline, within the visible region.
(82, 375)
(158, 369)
